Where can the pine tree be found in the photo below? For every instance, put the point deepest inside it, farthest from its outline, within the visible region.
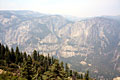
(0, 49)
(71, 73)
(41, 60)
(52, 60)
(2, 52)
(67, 69)
(21, 57)
(7, 49)
(17, 55)
(55, 72)
(46, 63)
(76, 75)
(35, 55)
(62, 65)
(49, 60)
(38, 56)
(7, 57)
(13, 57)
(87, 75)
(27, 71)
(25, 56)
(81, 76)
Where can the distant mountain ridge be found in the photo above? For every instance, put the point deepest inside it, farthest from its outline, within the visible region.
(92, 44)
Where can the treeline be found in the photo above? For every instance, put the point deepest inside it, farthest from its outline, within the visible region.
(15, 65)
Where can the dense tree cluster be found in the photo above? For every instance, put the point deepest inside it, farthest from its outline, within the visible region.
(21, 66)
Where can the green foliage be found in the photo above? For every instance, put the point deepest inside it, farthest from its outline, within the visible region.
(25, 56)
(81, 76)
(35, 56)
(13, 57)
(27, 71)
(55, 72)
(13, 65)
(17, 54)
(67, 70)
(20, 66)
(10, 76)
(62, 65)
(2, 62)
(71, 73)
(2, 53)
(87, 75)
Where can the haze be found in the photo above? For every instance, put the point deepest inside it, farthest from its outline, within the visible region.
(79, 8)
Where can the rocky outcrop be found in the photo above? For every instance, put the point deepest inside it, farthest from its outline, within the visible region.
(90, 44)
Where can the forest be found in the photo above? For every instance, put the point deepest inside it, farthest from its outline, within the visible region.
(18, 65)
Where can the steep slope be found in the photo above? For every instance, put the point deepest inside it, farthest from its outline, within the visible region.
(29, 32)
(93, 43)
(96, 42)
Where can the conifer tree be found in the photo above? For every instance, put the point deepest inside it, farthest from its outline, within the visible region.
(21, 57)
(52, 60)
(17, 53)
(7, 49)
(27, 71)
(49, 60)
(13, 57)
(62, 65)
(2, 52)
(67, 69)
(55, 72)
(35, 55)
(25, 56)
(7, 57)
(71, 73)
(87, 75)
(0, 49)
(81, 76)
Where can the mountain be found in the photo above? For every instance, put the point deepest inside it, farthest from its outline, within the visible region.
(91, 44)
(73, 18)
(15, 65)
(113, 17)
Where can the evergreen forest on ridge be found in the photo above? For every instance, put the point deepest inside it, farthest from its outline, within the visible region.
(16, 65)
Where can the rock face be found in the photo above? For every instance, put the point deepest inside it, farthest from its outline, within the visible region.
(92, 44)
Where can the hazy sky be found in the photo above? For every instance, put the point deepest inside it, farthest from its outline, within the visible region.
(80, 8)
